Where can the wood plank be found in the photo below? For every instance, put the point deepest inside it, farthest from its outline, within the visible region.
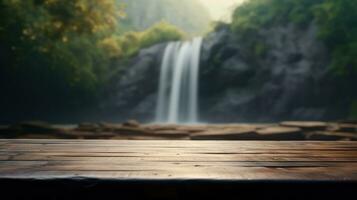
(215, 173)
(165, 144)
(219, 160)
(184, 157)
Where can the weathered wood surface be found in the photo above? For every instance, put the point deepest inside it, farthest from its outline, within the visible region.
(178, 160)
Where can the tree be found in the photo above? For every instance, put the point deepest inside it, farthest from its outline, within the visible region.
(338, 28)
(49, 51)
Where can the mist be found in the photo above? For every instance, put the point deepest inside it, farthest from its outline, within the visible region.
(221, 9)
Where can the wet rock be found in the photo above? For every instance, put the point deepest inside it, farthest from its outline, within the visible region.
(348, 128)
(172, 134)
(192, 129)
(88, 127)
(131, 93)
(238, 126)
(333, 127)
(108, 126)
(163, 127)
(306, 126)
(285, 83)
(331, 136)
(281, 133)
(135, 131)
(124, 130)
(132, 123)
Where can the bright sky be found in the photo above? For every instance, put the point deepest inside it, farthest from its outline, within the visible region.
(221, 9)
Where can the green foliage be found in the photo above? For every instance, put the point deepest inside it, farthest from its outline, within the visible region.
(129, 44)
(338, 28)
(49, 50)
(255, 14)
(57, 19)
(260, 49)
(337, 20)
(188, 15)
(161, 32)
(219, 25)
(55, 55)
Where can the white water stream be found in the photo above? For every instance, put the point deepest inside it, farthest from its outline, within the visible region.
(178, 85)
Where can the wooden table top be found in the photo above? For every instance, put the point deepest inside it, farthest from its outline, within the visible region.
(178, 160)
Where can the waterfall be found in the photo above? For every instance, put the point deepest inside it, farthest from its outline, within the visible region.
(178, 85)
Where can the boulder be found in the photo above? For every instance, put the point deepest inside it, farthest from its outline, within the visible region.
(306, 125)
(193, 129)
(160, 127)
(132, 123)
(331, 136)
(88, 127)
(347, 128)
(171, 134)
(123, 130)
(333, 127)
(108, 126)
(281, 133)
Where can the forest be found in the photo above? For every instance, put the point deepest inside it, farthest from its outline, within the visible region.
(56, 56)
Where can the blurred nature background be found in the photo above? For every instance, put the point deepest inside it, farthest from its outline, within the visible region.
(58, 57)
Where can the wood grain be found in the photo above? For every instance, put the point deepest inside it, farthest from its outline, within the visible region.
(187, 160)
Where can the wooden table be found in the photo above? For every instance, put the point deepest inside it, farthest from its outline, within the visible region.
(161, 169)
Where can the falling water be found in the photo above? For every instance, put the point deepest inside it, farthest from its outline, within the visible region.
(178, 86)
